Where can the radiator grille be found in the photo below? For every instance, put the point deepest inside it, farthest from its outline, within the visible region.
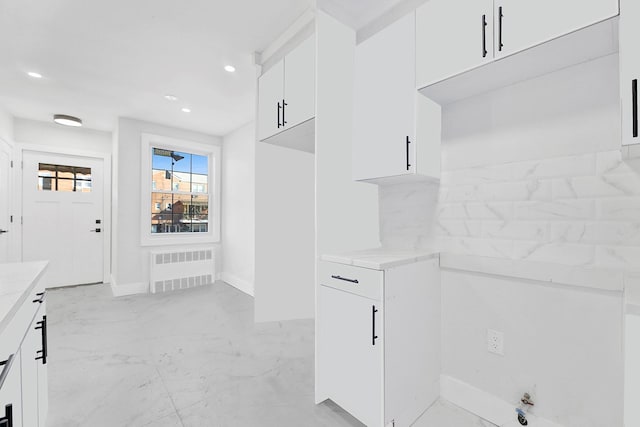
(181, 269)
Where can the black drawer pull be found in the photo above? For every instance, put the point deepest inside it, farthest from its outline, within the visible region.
(407, 145)
(41, 299)
(279, 108)
(7, 420)
(44, 352)
(373, 323)
(500, 17)
(345, 279)
(634, 106)
(484, 36)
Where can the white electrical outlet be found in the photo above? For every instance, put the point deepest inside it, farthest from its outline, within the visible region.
(495, 342)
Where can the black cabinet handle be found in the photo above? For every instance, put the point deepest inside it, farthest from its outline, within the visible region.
(5, 371)
(500, 16)
(7, 420)
(39, 300)
(484, 36)
(634, 106)
(345, 279)
(44, 352)
(284, 121)
(407, 145)
(279, 108)
(373, 324)
(4, 231)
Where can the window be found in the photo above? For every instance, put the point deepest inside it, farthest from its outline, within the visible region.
(64, 178)
(180, 186)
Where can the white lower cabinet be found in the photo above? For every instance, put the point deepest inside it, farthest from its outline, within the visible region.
(10, 391)
(378, 340)
(23, 369)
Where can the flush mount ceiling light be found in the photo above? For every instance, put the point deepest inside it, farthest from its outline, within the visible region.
(186, 110)
(63, 119)
(229, 68)
(34, 75)
(171, 97)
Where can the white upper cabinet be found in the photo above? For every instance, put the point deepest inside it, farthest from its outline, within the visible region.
(270, 96)
(300, 84)
(523, 24)
(629, 69)
(452, 36)
(286, 95)
(389, 114)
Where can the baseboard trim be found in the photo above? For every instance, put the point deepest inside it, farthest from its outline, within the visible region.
(485, 405)
(238, 283)
(128, 288)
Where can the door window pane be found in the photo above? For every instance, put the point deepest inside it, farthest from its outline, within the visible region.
(64, 178)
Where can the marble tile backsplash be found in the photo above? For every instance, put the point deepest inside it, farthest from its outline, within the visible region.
(548, 186)
(575, 210)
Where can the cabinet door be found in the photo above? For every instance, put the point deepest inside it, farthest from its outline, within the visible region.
(349, 364)
(449, 38)
(527, 23)
(384, 103)
(29, 366)
(300, 83)
(270, 96)
(43, 383)
(10, 390)
(629, 69)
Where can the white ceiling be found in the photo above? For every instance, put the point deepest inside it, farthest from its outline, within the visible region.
(105, 59)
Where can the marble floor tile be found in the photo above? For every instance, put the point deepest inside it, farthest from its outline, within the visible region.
(445, 414)
(192, 358)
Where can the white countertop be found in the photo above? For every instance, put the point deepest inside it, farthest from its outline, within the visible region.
(380, 258)
(16, 282)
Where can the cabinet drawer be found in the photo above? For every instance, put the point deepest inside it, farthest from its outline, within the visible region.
(357, 280)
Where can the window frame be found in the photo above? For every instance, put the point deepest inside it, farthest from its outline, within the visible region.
(213, 153)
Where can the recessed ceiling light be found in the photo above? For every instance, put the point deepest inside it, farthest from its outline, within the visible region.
(229, 68)
(65, 120)
(171, 97)
(186, 110)
(34, 75)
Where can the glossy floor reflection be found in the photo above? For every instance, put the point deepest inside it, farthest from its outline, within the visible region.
(191, 358)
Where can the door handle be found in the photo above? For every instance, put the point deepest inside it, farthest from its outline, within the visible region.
(96, 230)
(634, 106)
(484, 36)
(500, 16)
(373, 323)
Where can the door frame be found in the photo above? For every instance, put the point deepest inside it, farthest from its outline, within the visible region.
(106, 204)
(14, 240)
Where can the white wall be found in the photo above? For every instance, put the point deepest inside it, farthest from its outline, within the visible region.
(238, 208)
(6, 126)
(130, 265)
(59, 137)
(346, 211)
(284, 256)
(533, 172)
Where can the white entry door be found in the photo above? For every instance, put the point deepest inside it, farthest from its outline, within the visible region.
(5, 200)
(63, 217)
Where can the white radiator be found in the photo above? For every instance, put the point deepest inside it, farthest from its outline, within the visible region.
(181, 269)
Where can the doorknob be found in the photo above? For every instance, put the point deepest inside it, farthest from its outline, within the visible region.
(96, 230)
(4, 231)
